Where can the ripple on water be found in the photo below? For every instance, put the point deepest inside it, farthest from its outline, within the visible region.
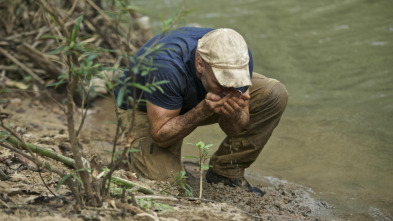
(380, 214)
(379, 43)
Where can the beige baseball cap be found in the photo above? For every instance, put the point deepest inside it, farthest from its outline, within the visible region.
(226, 52)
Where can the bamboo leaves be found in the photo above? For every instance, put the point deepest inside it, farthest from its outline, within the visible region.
(74, 175)
(75, 31)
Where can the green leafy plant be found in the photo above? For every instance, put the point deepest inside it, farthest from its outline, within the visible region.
(144, 203)
(162, 206)
(180, 181)
(74, 175)
(203, 156)
(148, 205)
(83, 61)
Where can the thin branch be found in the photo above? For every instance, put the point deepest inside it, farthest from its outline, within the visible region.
(34, 161)
(62, 108)
(23, 34)
(17, 151)
(71, 87)
(40, 59)
(84, 110)
(55, 16)
(69, 162)
(106, 17)
(43, 152)
(47, 166)
(43, 181)
(155, 197)
(23, 143)
(24, 67)
(71, 10)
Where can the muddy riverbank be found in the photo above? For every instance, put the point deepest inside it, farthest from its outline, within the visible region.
(24, 196)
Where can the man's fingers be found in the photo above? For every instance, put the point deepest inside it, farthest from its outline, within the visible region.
(212, 97)
(230, 108)
(237, 102)
(245, 97)
(225, 112)
(229, 104)
(239, 94)
(214, 103)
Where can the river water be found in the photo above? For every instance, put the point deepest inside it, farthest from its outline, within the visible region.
(336, 60)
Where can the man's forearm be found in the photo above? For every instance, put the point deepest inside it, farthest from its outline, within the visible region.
(180, 126)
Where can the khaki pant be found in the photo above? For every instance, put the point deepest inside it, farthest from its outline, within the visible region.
(268, 101)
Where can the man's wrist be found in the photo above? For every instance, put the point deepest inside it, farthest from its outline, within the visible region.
(206, 109)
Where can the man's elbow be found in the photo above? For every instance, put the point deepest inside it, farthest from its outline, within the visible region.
(160, 140)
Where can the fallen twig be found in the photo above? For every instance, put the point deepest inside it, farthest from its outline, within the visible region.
(71, 162)
(41, 60)
(25, 34)
(123, 182)
(43, 152)
(155, 197)
(17, 62)
(37, 164)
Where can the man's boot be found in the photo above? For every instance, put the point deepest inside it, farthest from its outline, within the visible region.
(212, 177)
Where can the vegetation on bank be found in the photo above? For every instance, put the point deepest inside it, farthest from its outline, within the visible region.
(80, 48)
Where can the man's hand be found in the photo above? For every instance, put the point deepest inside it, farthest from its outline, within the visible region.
(214, 102)
(235, 104)
(233, 110)
(230, 105)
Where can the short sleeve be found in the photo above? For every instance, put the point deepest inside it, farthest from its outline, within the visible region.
(171, 95)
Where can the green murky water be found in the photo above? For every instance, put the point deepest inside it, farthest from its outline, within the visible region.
(336, 60)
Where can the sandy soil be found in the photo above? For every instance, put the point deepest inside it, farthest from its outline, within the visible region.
(23, 195)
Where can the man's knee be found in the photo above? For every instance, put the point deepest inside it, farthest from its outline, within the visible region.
(268, 94)
(279, 94)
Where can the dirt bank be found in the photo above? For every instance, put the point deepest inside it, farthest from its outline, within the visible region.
(24, 196)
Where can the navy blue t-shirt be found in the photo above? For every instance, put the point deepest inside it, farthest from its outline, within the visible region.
(174, 62)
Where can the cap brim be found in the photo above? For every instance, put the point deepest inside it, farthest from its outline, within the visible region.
(233, 77)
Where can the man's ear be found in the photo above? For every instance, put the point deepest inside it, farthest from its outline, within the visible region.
(200, 64)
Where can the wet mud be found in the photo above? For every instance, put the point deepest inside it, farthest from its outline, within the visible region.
(23, 196)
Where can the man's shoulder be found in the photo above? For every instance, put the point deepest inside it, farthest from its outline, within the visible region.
(194, 30)
(178, 47)
(186, 33)
(184, 38)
